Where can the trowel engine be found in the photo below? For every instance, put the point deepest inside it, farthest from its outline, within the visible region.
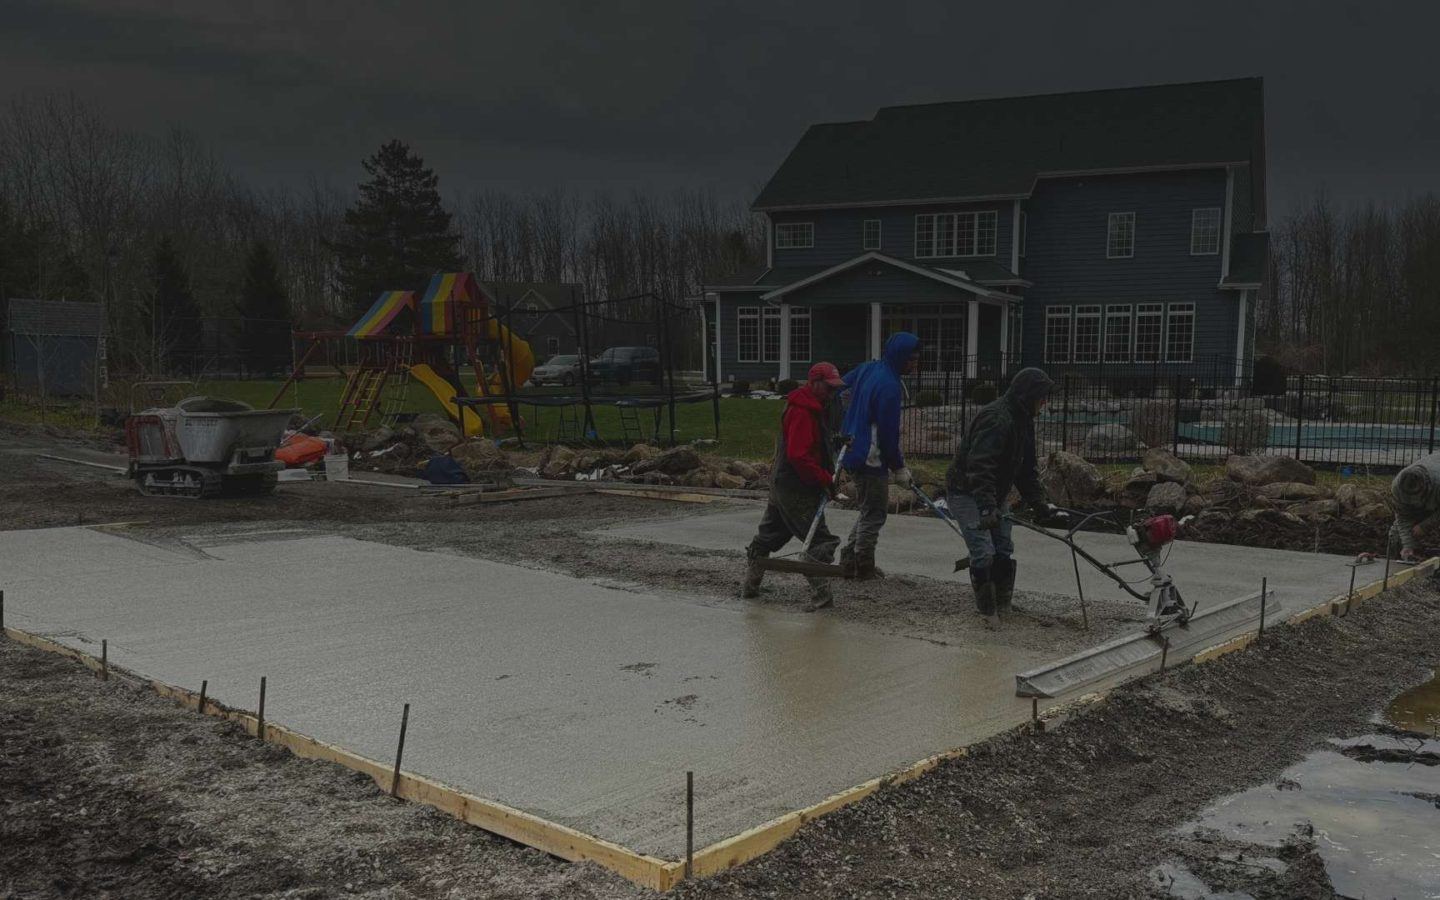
(1151, 538)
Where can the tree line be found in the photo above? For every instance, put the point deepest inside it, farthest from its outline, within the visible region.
(1355, 291)
(188, 257)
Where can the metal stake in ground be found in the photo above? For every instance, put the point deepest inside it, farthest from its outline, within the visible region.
(1264, 590)
(1389, 545)
(400, 750)
(260, 713)
(689, 824)
(104, 660)
(204, 685)
(1084, 615)
(2, 613)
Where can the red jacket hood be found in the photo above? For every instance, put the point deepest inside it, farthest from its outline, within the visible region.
(804, 398)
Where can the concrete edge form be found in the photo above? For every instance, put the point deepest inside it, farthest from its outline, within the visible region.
(497, 818)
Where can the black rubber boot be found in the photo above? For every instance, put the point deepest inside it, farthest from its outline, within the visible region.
(984, 587)
(1002, 573)
(847, 562)
(754, 574)
(865, 568)
(821, 596)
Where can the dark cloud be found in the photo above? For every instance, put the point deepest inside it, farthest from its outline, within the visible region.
(530, 95)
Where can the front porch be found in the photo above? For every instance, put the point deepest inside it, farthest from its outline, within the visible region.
(844, 314)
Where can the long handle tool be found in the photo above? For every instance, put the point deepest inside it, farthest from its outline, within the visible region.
(944, 516)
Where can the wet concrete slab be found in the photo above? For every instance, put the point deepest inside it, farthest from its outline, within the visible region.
(914, 545)
(579, 702)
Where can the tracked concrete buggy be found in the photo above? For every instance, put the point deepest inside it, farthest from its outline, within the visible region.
(205, 447)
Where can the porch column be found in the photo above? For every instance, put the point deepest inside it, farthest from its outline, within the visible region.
(784, 341)
(1240, 341)
(874, 330)
(972, 341)
(1005, 338)
(719, 349)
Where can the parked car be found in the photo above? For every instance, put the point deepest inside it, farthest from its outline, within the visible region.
(626, 364)
(557, 370)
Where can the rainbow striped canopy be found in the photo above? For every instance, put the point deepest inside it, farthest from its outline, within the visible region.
(377, 320)
(447, 293)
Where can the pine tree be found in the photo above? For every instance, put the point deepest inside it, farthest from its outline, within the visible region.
(175, 326)
(264, 313)
(397, 234)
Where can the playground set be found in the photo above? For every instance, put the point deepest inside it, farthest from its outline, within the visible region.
(429, 340)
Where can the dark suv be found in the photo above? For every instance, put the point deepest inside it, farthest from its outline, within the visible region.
(626, 364)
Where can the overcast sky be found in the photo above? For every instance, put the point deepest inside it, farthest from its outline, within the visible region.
(527, 94)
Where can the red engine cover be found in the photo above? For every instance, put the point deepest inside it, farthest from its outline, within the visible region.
(1159, 530)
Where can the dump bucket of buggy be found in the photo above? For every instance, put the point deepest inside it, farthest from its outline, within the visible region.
(204, 447)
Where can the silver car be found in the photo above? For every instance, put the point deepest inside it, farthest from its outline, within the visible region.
(557, 370)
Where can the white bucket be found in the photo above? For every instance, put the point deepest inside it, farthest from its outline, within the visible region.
(337, 467)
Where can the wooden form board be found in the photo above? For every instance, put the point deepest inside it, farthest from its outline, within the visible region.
(570, 844)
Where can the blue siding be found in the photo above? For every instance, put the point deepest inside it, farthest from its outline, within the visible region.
(1066, 252)
(729, 341)
(839, 233)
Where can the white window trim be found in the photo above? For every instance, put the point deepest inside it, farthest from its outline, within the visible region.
(1170, 310)
(1154, 309)
(865, 234)
(786, 227)
(802, 314)
(1118, 312)
(770, 318)
(1087, 312)
(1110, 228)
(974, 248)
(1059, 312)
(1219, 227)
(741, 314)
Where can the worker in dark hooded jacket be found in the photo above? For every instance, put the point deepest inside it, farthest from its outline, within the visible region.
(872, 420)
(1417, 504)
(802, 476)
(998, 452)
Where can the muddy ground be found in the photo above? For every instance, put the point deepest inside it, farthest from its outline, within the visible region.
(107, 791)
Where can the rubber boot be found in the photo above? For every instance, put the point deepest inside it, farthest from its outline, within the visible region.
(984, 587)
(820, 595)
(1002, 573)
(847, 562)
(754, 574)
(865, 568)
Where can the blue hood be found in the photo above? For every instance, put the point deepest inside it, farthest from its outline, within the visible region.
(898, 350)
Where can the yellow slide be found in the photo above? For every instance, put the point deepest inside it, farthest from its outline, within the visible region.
(444, 391)
(518, 355)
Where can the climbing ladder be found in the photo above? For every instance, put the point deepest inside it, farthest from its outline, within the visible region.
(362, 395)
(394, 402)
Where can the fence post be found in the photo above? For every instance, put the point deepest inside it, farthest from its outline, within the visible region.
(1175, 429)
(1299, 415)
(1434, 388)
(1065, 414)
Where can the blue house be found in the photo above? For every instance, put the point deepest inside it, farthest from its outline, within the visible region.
(1118, 229)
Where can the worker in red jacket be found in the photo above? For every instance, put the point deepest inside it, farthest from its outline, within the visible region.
(802, 476)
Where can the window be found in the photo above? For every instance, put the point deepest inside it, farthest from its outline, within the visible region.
(1149, 329)
(770, 333)
(871, 236)
(747, 334)
(1017, 333)
(1057, 334)
(1024, 231)
(1205, 231)
(1120, 236)
(1087, 334)
(941, 329)
(955, 234)
(1180, 333)
(552, 344)
(1117, 334)
(799, 334)
(794, 235)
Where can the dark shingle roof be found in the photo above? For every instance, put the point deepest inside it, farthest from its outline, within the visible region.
(988, 148)
(1249, 257)
(55, 317)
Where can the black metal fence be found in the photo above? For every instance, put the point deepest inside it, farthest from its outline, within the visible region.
(1113, 415)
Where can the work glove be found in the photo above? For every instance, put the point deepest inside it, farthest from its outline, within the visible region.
(833, 490)
(902, 477)
(989, 519)
(1045, 511)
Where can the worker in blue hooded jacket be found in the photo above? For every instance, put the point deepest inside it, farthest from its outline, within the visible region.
(874, 459)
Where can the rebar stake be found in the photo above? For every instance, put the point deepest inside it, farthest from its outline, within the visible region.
(400, 750)
(1035, 711)
(1080, 588)
(204, 686)
(1264, 590)
(689, 825)
(1351, 596)
(2, 613)
(260, 713)
(104, 660)
(1164, 651)
(1389, 545)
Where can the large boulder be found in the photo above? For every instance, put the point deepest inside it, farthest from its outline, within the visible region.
(1167, 496)
(1071, 481)
(744, 470)
(558, 463)
(1374, 513)
(1260, 470)
(1166, 465)
(1245, 431)
(1110, 440)
(378, 439)
(1195, 504)
(1153, 422)
(1353, 497)
(1292, 490)
(480, 456)
(677, 461)
(729, 480)
(1316, 509)
(641, 452)
(1140, 482)
(438, 433)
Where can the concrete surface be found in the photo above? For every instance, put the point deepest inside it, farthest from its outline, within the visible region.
(579, 702)
(924, 546)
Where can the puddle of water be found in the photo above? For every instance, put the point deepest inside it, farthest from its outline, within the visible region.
(1418, 709)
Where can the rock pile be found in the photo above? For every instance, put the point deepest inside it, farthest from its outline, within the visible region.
(646, 464)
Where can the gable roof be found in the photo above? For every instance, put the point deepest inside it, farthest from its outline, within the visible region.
(951, 277)
(985, 149)
(546, 295)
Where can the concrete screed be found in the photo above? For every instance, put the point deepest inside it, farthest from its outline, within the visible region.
(915, 545)
(582, 703)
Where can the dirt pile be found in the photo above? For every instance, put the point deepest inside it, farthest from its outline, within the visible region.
(647, 464)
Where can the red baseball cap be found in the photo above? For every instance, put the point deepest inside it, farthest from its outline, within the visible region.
(826, 372)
